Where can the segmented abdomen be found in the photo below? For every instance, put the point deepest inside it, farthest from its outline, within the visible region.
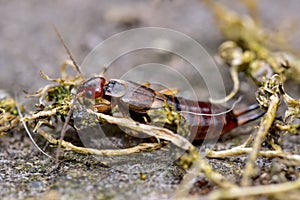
(206, 120)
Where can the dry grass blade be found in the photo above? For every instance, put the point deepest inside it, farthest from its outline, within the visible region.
(266, 122)
(237, 151)
(157, 132)
(238, 192)
(107, 152)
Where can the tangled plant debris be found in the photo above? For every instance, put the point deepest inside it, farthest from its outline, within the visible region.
(9, 118)
(245, 52)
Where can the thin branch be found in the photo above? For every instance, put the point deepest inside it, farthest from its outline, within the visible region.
(199, 163)
(157, 132)
(47, 113)
(266, 122)
(107, 152)
(236, 192)
(237, 151)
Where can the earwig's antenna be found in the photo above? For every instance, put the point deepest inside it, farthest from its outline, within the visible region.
(68, 52)
(105, 68)
(28, 132)
(64, 129)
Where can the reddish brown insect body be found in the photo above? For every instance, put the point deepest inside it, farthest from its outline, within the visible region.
(93, 88)
(206, 120)
(209, 123)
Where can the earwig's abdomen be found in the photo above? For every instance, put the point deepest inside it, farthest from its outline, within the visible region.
(206, 120)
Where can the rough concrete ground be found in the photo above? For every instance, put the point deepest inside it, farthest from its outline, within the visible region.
(28, 44)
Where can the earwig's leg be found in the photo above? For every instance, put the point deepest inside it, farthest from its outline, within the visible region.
(146, 84)
(102, 107)
(245, 110)
(243, 121)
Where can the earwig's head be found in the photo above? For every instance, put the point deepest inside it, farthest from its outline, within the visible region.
(92, 88)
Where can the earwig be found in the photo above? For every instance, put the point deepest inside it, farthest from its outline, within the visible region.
(203, 117)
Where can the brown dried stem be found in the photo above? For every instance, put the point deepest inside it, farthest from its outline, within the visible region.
(237, 151)
(199, 163)
(157, 132)
(271, 189)
(266, 122)
(107, 152)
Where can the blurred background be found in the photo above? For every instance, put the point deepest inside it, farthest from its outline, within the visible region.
(28, 43)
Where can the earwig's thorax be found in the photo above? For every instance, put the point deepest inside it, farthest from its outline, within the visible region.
(92, 88)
